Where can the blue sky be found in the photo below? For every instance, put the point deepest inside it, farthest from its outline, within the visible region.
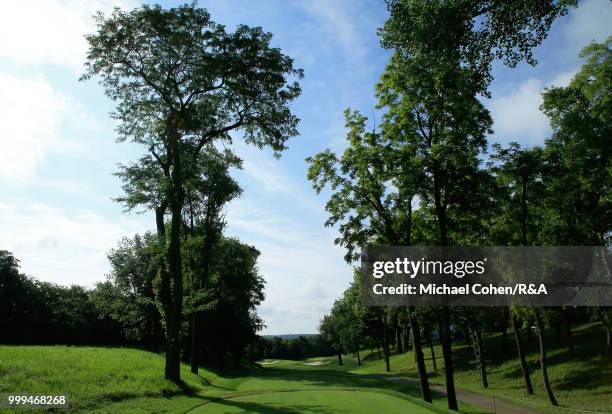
(58, 149)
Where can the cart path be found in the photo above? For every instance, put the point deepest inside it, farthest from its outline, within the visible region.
(494, 405)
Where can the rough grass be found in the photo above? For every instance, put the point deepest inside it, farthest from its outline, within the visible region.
(582, 382)
(96, 377)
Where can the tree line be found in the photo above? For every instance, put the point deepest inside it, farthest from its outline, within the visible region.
(425, 174)
(124, 310)
(304, 346)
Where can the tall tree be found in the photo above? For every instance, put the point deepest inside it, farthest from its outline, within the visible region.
(181, 82)
(374, 183)
(436, 114)
(577, 158)
(207, 193)
(520, 193)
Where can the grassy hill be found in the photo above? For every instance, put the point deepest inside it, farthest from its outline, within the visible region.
(582, 382)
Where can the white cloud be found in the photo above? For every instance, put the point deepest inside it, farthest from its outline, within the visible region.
(38, 32)
(517, 115)
(32, 114)
(337, 24)
(303, 268)
(60, 246)
(270, 175)
(590, 21)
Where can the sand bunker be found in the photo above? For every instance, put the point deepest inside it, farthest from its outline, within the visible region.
(267, 362)
(315, 363)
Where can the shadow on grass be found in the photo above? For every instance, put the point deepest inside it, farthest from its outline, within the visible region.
(270, 408)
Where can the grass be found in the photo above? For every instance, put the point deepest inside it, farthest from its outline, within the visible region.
(582, 382)
(95, 377)
(309, 402)
(122, 380)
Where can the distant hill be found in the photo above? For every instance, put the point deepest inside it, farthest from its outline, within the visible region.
(287, 336)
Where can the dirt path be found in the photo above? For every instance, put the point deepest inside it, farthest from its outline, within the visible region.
(486, 402)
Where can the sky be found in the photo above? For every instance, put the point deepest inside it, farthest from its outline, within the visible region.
(58, 150)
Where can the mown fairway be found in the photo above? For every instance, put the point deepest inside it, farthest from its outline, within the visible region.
(316, 401)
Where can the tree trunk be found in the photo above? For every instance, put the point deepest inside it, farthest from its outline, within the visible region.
(386, 347)
(609, 340)
(206, 248)
(448, 360)
(358, 358)
(405, 335)
(414, 355)
(558, 333)
(165, 289)
(543, 362)
(177, 196)
(194, 352)
(504, 330)
(567, 322)
(606, 323)
(416, 343)
(340, 358)
(521, 355)
(431, 349)
(447, 342)
(478, 350)
(166, 295)
(398, 338)
(529, 336)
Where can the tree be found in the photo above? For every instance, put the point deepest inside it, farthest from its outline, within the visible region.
(182, 82)
(330, 330)
(519, 175)
(472, 318)
(374, 183)
(475, 32)
(207, 194)
(14, 289)
(433, 111)
(577, 157)
(128, 296)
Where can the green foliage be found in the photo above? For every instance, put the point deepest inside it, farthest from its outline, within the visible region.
(577, 156)
(156, 62)
(519, 195)
(304, 346)
(35, 312)
(372, 186)
(129, 294)
(470, 33)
